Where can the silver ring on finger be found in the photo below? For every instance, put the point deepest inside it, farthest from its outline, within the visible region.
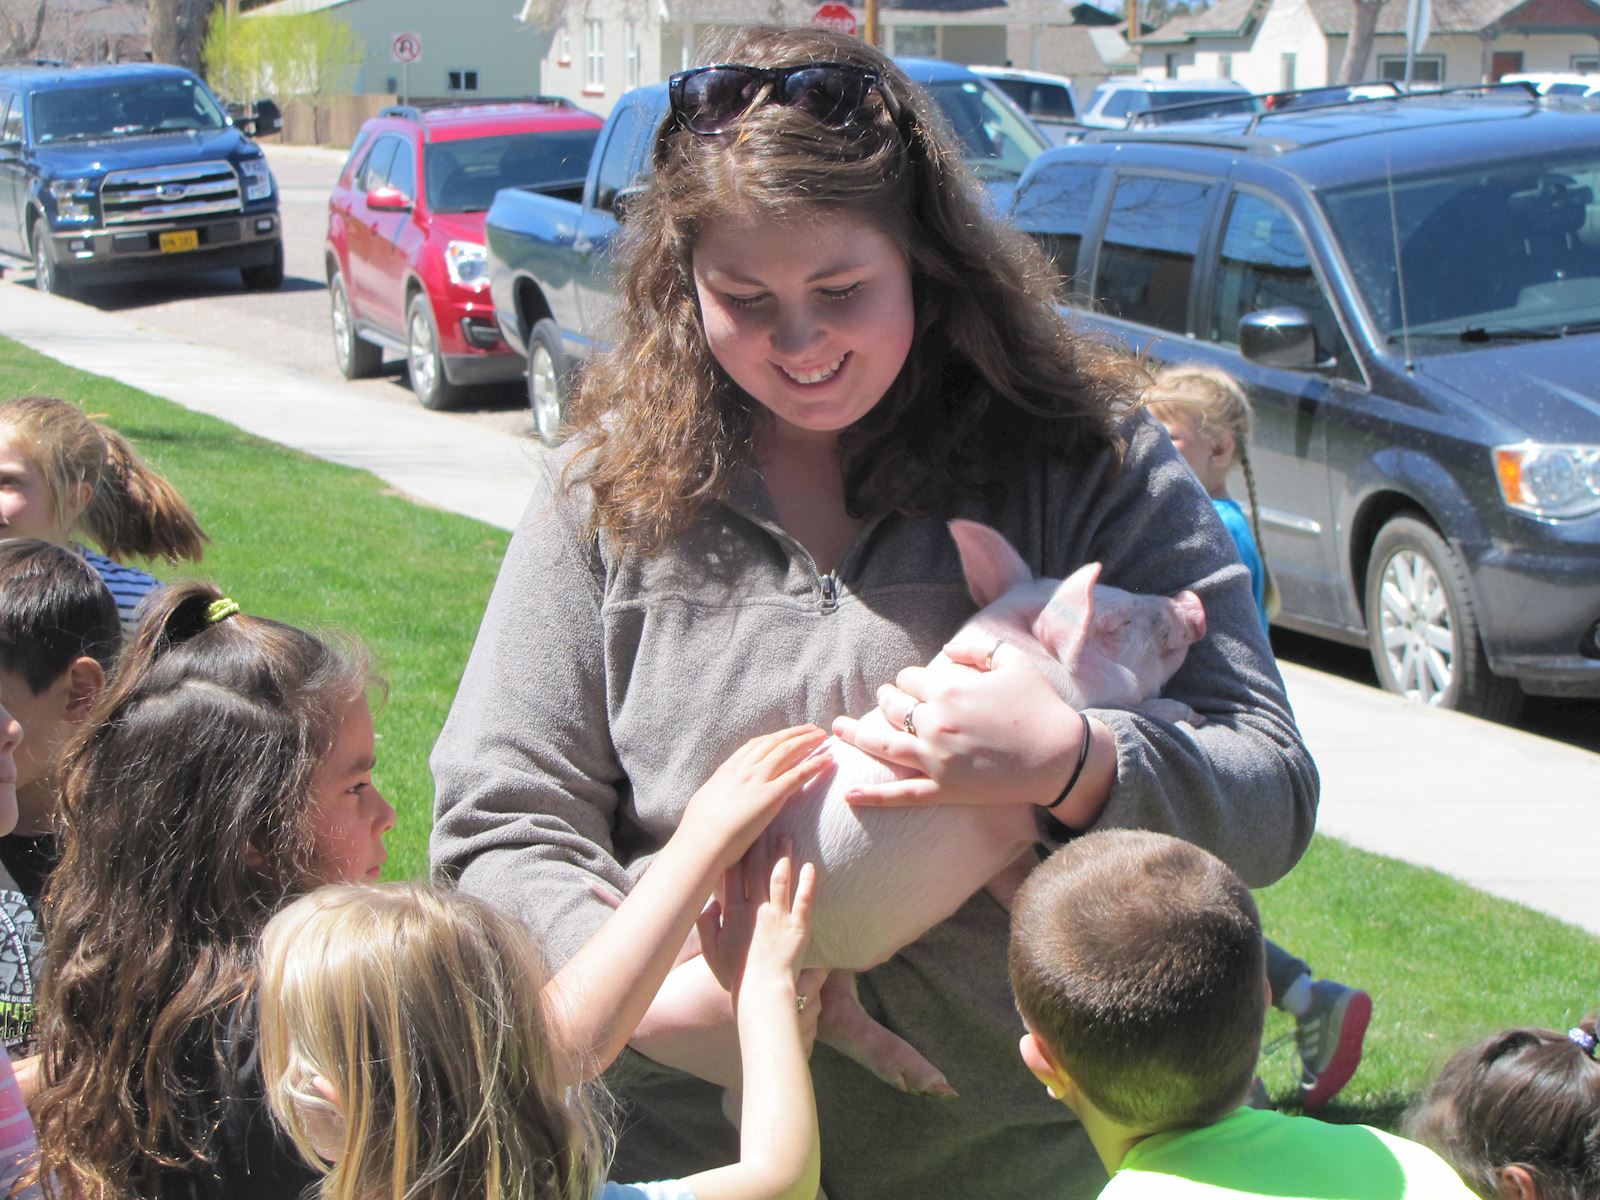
(993, 650)
(909, 725)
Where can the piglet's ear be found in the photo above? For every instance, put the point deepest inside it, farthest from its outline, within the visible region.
(991, 565)
(1065, 623)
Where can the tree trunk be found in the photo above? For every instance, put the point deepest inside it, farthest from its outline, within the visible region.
(178, 30)
(1363, 24)
(20, 27)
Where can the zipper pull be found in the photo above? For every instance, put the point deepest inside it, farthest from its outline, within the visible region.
(830, 594)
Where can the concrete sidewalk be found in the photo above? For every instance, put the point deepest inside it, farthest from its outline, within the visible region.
(1505, 811)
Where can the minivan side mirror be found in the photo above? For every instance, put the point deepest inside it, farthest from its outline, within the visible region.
(1280, 337)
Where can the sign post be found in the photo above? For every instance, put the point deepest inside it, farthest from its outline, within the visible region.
(405, 49)
(1419, 15)
(836, 17)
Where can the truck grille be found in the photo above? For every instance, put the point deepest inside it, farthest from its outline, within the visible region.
(169, 193)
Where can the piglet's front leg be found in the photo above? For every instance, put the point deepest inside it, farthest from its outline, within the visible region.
(1003, 887)
(847, 1027)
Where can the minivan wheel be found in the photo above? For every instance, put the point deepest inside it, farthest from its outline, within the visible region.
(1421, 628)
(423, 359)
(547, 383)
(357, 357)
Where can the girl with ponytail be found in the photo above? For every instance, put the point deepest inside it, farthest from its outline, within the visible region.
(65, 476)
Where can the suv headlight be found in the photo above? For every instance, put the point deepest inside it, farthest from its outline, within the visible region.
(74, 199)
(1549, 481)
(257, 178)
(468, 264)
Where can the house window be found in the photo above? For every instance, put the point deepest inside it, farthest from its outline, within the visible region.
(1172, 66)
(564, 48)
(1586, 64)
(634, 54)
(1225, 65)
(462, 81)
(916, 41)
(594, 56)
(1425, 68)
(1286, 72)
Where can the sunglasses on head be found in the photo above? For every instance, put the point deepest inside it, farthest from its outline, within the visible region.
(709, 100)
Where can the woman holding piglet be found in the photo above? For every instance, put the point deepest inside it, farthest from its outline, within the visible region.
(826, 349)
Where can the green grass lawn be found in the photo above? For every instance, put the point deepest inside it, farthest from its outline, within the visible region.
(327, 546)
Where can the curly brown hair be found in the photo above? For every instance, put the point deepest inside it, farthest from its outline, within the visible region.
(186, 820)
(992, 363)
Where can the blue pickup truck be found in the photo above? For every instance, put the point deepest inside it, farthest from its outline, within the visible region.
(548, 270)
(132, 171)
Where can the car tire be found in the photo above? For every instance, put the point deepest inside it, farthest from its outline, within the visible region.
(357, 357)
(48, 275)
(423, 360)
(1422, 630)
(547, 380)
(268, 277)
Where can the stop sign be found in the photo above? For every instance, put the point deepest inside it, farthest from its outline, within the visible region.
(836, 17)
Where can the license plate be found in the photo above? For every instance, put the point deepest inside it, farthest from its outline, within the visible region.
(177, 243)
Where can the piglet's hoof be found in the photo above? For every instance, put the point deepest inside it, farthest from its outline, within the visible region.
(846, 1027)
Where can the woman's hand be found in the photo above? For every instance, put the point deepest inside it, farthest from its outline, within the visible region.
(739, 801)
(996, 736)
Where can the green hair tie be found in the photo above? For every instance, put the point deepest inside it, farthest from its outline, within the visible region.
(221, 610)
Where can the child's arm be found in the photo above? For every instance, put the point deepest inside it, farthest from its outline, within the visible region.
(596, 1000)
(780, 1156)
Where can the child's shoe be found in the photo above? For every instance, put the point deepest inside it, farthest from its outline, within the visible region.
(1329, 1038)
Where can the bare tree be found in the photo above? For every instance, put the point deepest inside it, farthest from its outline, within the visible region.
(21, 22)
(178, 30)
(1363, 25)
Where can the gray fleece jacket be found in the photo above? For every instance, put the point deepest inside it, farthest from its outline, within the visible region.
(606, 687)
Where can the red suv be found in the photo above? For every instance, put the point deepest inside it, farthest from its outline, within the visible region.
(405, 258)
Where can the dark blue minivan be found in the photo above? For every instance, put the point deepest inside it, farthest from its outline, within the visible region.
(1409, 287)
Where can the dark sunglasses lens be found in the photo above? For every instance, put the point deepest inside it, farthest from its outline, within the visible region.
(830, 94)
(713, 98)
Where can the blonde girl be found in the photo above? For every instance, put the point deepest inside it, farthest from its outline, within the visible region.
(415, 1047)
(227, 768)
(65, 476)
(1207, 415)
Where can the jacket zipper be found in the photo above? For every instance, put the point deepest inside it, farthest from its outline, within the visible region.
(827, 585)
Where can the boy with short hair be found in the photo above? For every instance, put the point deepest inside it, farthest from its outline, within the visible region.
(59, 636)
(1138, 966)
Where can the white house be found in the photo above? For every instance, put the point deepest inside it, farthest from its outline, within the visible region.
(469, 47)
(1271, 44)
(598, 49)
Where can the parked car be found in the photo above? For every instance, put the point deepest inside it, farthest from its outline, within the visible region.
(1116, 100)
(549, 277)
(1410, 290)
(132, 171)
(1556, 83)
(404, 251)
(1047, 99)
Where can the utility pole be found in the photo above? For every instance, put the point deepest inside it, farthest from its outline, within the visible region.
(872, 22)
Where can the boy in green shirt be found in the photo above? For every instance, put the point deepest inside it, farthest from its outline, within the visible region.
(1138, 966)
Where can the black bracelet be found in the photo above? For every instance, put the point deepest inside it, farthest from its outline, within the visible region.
(1083, 757)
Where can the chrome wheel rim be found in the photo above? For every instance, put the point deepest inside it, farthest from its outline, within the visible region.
(1416, 627)
(43, 269)
(544, 394)
(421, 359)
(341, 325)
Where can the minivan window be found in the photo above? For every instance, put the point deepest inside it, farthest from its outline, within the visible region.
(1054, 211)
(1147, 253)
(1486, 251)
(1265, 264)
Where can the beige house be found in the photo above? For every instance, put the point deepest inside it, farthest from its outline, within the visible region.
(1271, 44)
(597, 49)
(469, 47)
